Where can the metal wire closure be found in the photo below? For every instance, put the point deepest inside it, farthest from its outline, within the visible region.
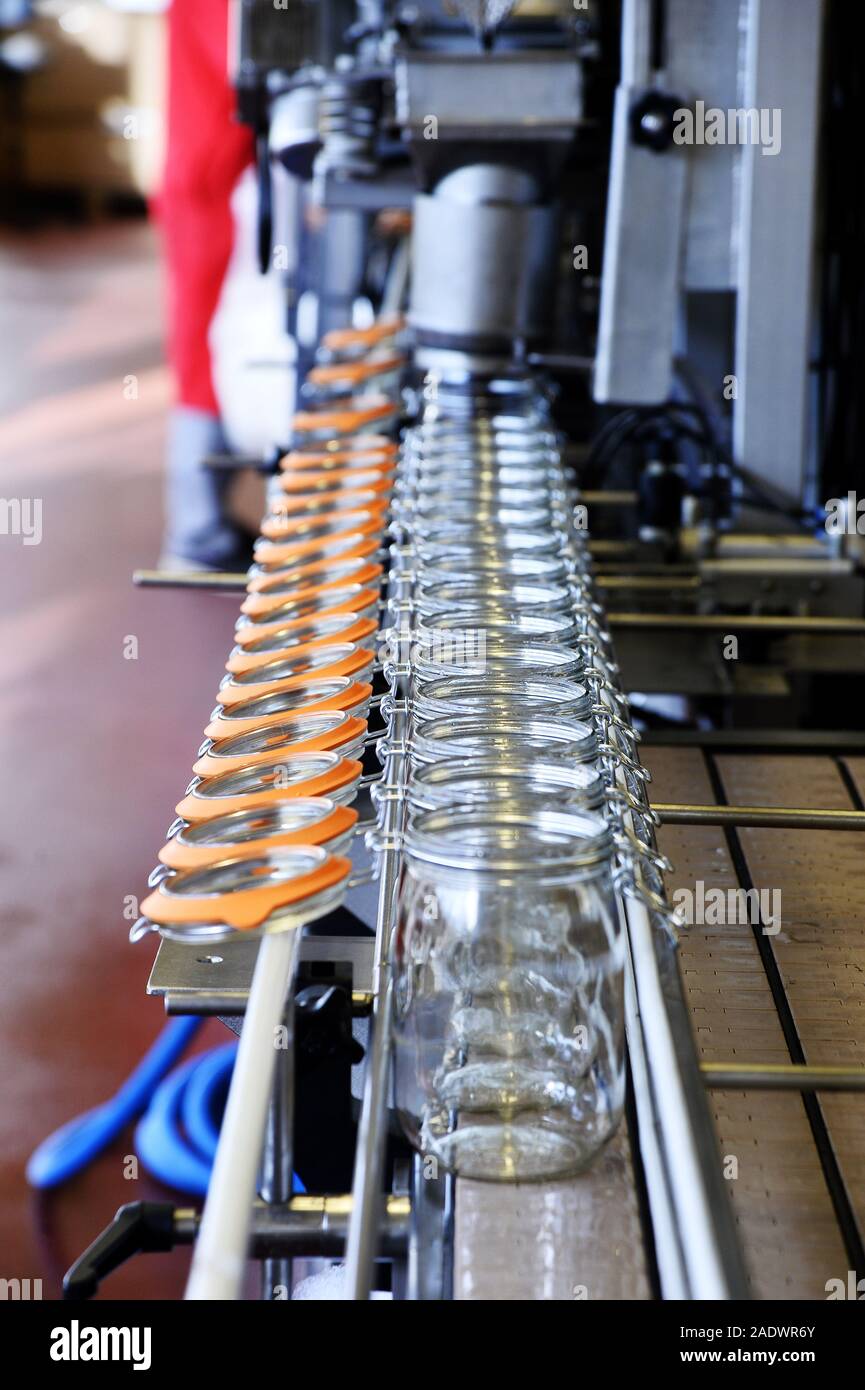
(474, 447)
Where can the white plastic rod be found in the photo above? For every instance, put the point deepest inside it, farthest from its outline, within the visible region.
(219, 1257)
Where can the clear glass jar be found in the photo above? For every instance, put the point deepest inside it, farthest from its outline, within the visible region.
(508, 979)
(511, 736)
(477, 511)
(505, 782)
(500, 695)
(474, 650)
(481, 565)
(464, 538)
(497, 626)
(496, 595)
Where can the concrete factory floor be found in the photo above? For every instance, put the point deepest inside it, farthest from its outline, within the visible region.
(95, 748)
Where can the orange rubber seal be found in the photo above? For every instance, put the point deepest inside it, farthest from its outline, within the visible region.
(233, 693)
(351, 698)
(352, 416)
(337, 501)
(366, 451)
(241, 660)
(358, 603)
(249, 907)
(209, 764)
(363, 369)
(280, 572)
(339, 543)
(177, 855)
(265, 598)
(315, 482)
(293, 527)
(386, 327)
(198, 808)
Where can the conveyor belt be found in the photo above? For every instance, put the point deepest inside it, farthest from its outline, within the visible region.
(801, 1178)
(564, 1240)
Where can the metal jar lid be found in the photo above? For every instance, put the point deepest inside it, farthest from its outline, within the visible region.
(364, 451)
(332, 503)
(298, 638)
(274, 892)
(328, 730)
(245, 834)
(278, 555)
(247, 788)
(336, 692)
(336, 659)
(296, 580)
(351, 598)
(362, 520)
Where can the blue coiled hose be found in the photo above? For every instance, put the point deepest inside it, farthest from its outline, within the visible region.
(180, 1111)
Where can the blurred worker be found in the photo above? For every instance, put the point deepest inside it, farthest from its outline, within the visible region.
(206, 152)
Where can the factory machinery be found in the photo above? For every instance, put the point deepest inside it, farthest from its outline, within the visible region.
(545, 594)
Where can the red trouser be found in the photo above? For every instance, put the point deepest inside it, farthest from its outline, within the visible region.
(206, 152)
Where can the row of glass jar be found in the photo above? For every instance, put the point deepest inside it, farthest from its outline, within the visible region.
(507, 953)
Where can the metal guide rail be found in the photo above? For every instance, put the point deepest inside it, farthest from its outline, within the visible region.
(350, 540)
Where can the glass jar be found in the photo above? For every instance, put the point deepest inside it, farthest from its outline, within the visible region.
(464, 538)
(474, 650)
(495, 695)
(506, 781)
(511, 735)
(482, 565)
(495, 627)
(476, 512)
(496, 595)
(508, 981)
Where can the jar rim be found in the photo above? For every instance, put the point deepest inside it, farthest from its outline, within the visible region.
(495, 841)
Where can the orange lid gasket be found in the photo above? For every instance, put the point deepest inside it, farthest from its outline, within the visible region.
(278, 527)
(210, 764)
(354, 414)
(323, 482)
(198, 808)
(242, 660)
(367, 450)
(354, 696)
(339, 501)
(345, 544)
(385, 327)
(264, 573)
(265, 598)
(362, 603)
(234, 693)
(248, 908)
(178, 855)
(360, 370)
